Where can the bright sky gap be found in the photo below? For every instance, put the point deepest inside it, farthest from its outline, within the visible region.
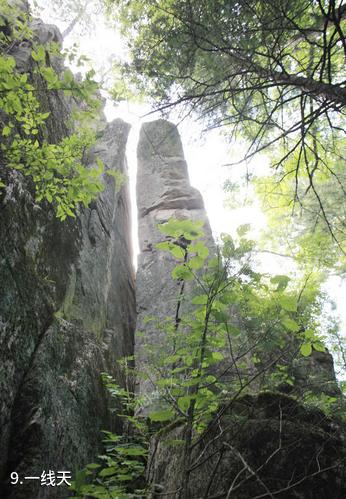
(205, 157)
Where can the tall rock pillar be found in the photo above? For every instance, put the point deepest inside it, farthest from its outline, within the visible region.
(163, 192)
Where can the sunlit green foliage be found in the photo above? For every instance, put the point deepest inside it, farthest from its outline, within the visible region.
(240, 334)
(237, 318)
(53, 163)
(271, 72)
(310, 228)
(119, 472)
(240, 62)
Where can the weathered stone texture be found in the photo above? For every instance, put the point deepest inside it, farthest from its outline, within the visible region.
(163, 192)
(67, 312)
(261, 447)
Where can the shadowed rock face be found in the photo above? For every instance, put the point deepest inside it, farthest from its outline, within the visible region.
(163, 192)
(67, 312)
(261, 447)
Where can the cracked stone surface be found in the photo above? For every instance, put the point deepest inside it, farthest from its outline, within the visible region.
(67, 312)
(163, 192)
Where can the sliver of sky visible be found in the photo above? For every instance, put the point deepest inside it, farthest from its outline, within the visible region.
(205, 157)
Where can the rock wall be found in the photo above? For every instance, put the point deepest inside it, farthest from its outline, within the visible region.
(261, 447)
(163, 192)
(67, 312)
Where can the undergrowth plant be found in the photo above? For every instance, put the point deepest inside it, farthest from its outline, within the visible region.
(236, 334)
(54, 161)
(120, 471)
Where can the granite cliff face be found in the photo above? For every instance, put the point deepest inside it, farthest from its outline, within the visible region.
(163, 192)
(67, 312)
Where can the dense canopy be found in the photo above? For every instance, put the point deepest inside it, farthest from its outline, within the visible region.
(272, 72)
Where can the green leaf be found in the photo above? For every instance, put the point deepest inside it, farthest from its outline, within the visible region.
(6, 131)
(288, 303)
(306, 349)
(186, 228)
(163, 382)
(93, 466)
(108, 471)
(220, 316)
(281, 281)
(124, 478)
(163, 415)
(184, 402)
(174, 248)
(217, 356)
(79, 479)
(319, 346)
(132, 451)
(164, 246)
(243, 229)
(177, 251)
(200, 249)
(290, 324)
(235, 331)
(200, 300)
(39, 54)
(182, 272)
(49, 75)
(68, 76)
(309, 334)
(196, 262)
